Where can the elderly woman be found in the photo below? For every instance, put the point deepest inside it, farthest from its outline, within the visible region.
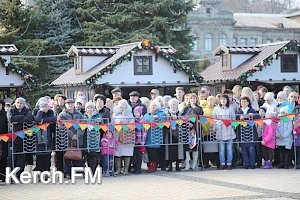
(283, 102)
(270, 102)
(174, 152)
(92, 136)
(161, 101)
(123, 115)
(154, 135)
(293, 98)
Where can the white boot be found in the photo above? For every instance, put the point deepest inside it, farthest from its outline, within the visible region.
(187, 161)
(195, 159)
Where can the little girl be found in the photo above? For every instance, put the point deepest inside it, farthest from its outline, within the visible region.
(108, 146)
(140, 137)
(268, 141)
(297, 140)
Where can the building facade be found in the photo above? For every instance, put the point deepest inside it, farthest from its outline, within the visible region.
(212, 27)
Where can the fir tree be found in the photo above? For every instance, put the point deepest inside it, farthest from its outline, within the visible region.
(110, 22)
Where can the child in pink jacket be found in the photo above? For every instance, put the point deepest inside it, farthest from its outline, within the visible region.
(269, 141)
(108, 147)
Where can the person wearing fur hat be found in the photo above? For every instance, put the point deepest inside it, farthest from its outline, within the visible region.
(123, 115)
(44, 137)
(174, 151)
(154, 115)
(284, 138)
(3, 145)
(92, 154)
(283, 101)
(18, 115)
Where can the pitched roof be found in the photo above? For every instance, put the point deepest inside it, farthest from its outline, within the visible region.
(71, 78)
(8, 49)
(264, 21)
(215, 73)
(236, 49)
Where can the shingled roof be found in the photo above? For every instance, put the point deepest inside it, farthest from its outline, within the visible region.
(116, 52)
(8, 49)
(215, 72)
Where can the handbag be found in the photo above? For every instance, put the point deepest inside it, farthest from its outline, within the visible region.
(73, 154)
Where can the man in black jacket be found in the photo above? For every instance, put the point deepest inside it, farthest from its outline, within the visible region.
(3, 145)
(17, 117)
(134, 101)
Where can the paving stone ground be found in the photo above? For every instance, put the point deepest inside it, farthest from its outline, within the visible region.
(210, 184)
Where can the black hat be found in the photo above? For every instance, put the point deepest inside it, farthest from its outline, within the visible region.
(134, 93)
(116, 90)
(70, 101)
(263, 108)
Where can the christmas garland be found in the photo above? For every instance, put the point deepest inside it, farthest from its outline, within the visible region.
(146, 45)
(293, 45)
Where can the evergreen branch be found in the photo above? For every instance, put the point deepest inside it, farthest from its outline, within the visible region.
(105, 12)
(26, 28)
(26, 49)
(175, 13)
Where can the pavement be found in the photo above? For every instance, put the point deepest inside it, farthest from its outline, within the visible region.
(210, 184)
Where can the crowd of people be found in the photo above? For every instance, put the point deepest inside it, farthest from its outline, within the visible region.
(271, 144)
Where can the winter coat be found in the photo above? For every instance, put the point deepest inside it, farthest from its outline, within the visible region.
(248, 133)
(224, 132)
(284, 129)
(105, 115)
(285, 104)
(297, 135)
(154, 135)
(44, 138)
(58, 109)
(73, 117)
(270, 107)
(3, 122)
(269, 135)
(91, 139)
(18, 118)
(125, 144)
(105, 143)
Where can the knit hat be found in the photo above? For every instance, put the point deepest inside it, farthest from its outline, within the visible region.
(42, 104)
(89, 104)
(282, 95)
(78, 100)
(20, 100)
(138, 109)
(156, 103)
(263, 108)
(269, 96)
(42, 99)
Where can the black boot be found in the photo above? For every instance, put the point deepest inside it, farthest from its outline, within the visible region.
(170, 167)
(177, 166)
(286, 159)
(281, 157)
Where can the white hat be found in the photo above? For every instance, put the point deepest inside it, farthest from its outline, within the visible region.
(78, 100)
(269, 96)
(282, 95)
(156, 103)
(89, 104)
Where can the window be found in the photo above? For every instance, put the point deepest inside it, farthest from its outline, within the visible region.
(77, 64)
(195, 44)
(252, 41)
(208, 42)
(234, 41)
(289, 63)
(226, 61)
(222, 39)
(243, 41)
(208, 11)
(142, 65)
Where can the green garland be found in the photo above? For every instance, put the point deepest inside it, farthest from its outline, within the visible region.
(294, 46)
(146, 45)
